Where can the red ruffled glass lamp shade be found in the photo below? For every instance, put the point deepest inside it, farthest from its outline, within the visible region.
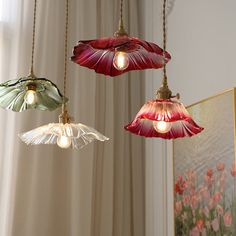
(163, 118)
(130, 54)
(119, 54)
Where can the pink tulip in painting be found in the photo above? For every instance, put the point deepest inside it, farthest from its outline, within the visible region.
(220, 166)
(202, 207)
(215, 224)
(233, 169)
(228, 219)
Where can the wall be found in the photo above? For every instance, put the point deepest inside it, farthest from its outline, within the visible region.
(201, 40)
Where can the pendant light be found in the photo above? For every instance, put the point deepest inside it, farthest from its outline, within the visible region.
(30, 92)
(119, 54)
(164, 117)
(65, 133)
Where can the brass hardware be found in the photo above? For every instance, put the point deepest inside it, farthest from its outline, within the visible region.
(32, 75)
(31, 86)
(122, 48)
(64, 117)
(121, 31)
(177, 96)
(33, 41)
(164, 92)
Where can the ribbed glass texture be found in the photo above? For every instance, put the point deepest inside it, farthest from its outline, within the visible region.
(182, 125)
(80, 134)
(98, 54)
(12, 95)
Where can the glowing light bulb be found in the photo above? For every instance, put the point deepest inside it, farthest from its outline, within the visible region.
(121, 60)
(64, 141)
(30, 97)
(162, 126)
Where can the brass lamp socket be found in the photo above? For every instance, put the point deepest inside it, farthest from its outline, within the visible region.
(32, 75)
(64, 118)
(31, 86)
(121, 49)
(164, 93)
(121, 32)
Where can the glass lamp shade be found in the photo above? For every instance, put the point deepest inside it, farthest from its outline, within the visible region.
(65, 135)
(167, 115)
(99, 55)
(30, 93)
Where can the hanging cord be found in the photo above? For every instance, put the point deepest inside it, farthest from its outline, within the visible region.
(121, 14)
(164, 92)
(64, 116)
(33, 41)
(66, 46)
(164, 42)
(121, 31)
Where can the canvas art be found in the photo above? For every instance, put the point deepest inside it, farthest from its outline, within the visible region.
(205, 171)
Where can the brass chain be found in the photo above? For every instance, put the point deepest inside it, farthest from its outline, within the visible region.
(33, 40)
(66, 47)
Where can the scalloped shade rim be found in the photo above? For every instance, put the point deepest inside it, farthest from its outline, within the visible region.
(182, 125)
(12, 94)
(98, 54)
(80, 134)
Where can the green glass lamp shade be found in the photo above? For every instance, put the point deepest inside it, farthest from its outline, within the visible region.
(30, 93)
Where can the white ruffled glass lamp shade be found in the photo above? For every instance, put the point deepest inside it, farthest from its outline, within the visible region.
(64, 135)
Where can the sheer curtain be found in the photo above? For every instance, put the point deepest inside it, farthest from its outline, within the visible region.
(44, 190)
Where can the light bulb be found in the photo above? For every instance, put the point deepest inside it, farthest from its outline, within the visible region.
(121, 60)
(162, 126)
(30, 97)
(63, 141)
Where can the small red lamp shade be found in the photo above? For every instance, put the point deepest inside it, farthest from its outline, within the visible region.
(100, 55)
(163, 118)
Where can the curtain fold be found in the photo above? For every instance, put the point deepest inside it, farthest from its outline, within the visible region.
(44, 190)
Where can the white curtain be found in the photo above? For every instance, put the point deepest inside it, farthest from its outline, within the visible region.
(44, 190)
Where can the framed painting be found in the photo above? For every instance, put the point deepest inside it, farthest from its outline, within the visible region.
(205, 171)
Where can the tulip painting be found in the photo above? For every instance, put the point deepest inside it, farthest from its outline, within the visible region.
(204, 209)
(205, 171)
